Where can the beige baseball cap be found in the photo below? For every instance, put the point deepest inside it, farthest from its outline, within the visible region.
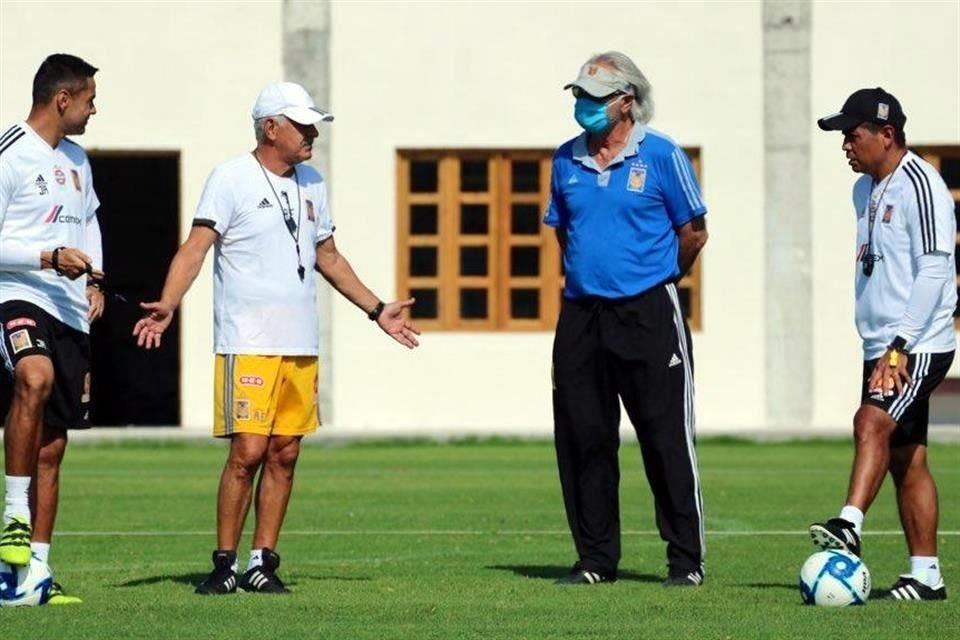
(599, 81)
(291, 100)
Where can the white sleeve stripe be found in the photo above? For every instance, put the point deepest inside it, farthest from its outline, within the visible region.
(924, 195)
(689, 188)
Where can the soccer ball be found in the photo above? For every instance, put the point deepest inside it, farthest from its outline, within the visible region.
(27, 586)
(834, 578)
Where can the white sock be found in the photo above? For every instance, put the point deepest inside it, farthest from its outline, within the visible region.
(41, 550)
(854, 515)
(17, 498)
(926, 569)
(256, 558)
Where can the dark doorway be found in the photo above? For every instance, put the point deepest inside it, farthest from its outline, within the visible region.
(140, 221)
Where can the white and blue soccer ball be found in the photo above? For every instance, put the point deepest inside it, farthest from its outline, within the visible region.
(834, 578)
(27, 586)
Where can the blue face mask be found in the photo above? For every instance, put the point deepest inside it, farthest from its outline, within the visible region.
(592, 114)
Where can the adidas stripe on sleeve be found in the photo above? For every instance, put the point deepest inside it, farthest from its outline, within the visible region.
(929, 209)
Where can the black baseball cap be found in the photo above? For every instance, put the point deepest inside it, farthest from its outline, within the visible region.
(866, 105)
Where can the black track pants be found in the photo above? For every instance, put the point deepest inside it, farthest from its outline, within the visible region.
(636, 350)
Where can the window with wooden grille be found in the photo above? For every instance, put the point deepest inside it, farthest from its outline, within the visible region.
(471, 245)
(946, 160)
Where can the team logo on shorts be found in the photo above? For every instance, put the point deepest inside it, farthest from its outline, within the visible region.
(20, 340)
(251, 381)
(59, 175)
(85, 396)
(888, 214)
(310, 216)
(76, 179)
(637, 179)
(241, 409)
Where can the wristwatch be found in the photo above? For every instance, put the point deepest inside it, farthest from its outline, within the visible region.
(376, 311)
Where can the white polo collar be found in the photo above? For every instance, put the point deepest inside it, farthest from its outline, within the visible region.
(581, 151)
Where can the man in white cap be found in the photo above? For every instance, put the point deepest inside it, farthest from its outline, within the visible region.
(266, 214)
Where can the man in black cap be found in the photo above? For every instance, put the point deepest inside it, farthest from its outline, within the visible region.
(905, 299)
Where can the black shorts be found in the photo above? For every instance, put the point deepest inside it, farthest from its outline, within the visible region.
(910, 409)
(28, 330)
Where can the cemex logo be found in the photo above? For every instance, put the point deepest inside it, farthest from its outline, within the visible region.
(54, 216)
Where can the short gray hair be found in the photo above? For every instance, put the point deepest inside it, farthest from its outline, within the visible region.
(258, 126)
(624, 68)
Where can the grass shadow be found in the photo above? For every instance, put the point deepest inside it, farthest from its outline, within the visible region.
(552, 572)
(193, 579)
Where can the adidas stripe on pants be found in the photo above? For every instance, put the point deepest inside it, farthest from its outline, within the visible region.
(635, 350)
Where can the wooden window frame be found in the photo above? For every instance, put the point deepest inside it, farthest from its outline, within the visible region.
(498, 240)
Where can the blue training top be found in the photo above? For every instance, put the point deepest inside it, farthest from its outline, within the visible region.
(621, 222)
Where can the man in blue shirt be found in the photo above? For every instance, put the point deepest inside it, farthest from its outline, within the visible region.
(630, 221)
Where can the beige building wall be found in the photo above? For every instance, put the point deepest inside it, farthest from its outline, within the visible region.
(183, 75)
(458, 74)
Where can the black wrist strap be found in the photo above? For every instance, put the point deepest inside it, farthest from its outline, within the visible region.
(55, 260)
(899, 344)
(376, 311)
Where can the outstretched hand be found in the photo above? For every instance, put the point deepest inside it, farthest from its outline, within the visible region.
(395, 324)
(151, 326)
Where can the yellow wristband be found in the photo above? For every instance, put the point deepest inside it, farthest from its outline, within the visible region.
(894, 358)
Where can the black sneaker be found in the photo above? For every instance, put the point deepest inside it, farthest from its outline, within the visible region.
(909, 588)
(222, 579)
(836, 533)
(582, 576)
(689, 579)
(263, 579)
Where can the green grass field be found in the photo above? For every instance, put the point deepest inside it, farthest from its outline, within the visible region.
(464, 541)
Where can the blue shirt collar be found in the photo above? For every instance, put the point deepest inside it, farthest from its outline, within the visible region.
(581, 152)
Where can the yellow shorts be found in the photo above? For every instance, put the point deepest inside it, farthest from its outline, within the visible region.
(267, 395)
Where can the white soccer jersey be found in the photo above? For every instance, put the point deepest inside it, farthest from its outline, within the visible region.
(913, 216)
(46, 201)
(261, 306)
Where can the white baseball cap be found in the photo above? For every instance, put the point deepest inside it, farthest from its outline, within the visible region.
(291, 100)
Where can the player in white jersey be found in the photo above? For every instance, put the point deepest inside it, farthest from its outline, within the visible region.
(267, 216)
(50, 264)
(905, 301)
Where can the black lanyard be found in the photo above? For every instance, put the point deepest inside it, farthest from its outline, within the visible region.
(293, 227)
(869, 258)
